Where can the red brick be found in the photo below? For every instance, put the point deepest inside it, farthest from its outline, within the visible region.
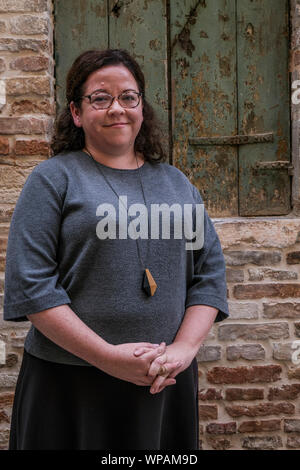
(2, 65)
(293, 442)
(221, 428)
(219, 444)
(6, 399)
(39, 85)
(3, 245)
(293, 257)
(6, 211)
(281, 310)
(17, 45)
(285, 392)
(32, 147)
(292, 425)
(240, 375)
(232, 394)
(258, 426)
(294, 373)
(262, 409)
(4, 146)
(4, 416)
(22, 125)
(30, 64)
(208, 412)
(32, 106)
(209, 394)
(296, 58)
(258, 291)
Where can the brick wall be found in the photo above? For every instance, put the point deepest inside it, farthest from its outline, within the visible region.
(249, 381)
(26, 116)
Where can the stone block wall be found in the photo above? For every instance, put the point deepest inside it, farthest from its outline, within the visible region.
(27, 108)
(249, 380)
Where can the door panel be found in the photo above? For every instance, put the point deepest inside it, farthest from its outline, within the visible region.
(263, 104)
(204, 98)
(141, 28)
(79, 25)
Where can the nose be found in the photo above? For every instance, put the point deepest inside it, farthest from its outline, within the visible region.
(115, 106)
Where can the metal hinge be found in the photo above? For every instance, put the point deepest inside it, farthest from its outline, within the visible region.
(233, 139)
(275, 165)
(243, 140)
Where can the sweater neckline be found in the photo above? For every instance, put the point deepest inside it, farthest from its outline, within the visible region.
(121, 170)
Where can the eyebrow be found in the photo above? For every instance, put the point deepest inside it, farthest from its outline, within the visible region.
(105, 91)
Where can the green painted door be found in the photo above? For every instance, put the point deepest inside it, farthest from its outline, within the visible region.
(217, 75)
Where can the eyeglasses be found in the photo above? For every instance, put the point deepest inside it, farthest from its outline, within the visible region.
(102, 100)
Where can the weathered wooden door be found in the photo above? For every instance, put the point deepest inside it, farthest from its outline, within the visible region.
(217, 74)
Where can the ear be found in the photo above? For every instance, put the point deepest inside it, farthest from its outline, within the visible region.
(75, 111)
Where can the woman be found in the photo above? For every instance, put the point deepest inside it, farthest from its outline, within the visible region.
(117, 315)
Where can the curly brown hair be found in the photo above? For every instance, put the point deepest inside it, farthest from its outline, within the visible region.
(69, 137)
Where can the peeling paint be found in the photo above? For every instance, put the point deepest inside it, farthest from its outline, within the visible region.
(225, 66)
(155, 44)
(203, 34)
(183, 38)
(116, 9)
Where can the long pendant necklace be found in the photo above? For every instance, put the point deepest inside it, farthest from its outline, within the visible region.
(149, 285)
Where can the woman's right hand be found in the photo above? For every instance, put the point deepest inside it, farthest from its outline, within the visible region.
(123, 364)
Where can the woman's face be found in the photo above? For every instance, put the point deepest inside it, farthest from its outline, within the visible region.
(112, 130)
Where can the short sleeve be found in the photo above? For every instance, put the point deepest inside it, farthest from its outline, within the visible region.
(208, 286)
(31, 272)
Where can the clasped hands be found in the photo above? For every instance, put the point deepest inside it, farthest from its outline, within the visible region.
(140, 363)
(166, 362)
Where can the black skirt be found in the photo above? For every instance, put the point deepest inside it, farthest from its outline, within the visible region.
(67, 407)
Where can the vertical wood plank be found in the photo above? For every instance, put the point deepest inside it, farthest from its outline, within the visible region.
(263, 104)
(140, 27)
(203, 64)
(79, 25)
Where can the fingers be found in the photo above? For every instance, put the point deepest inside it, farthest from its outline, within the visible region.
(171, 368)
(165, 384)
(156, 364)
(155, 387)
(149, 345)
(153, 349)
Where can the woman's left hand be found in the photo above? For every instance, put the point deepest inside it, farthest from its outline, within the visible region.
(178, 351)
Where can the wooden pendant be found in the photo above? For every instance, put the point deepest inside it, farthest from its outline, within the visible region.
(149, 285)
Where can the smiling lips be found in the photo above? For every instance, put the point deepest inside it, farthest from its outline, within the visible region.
(116, 124)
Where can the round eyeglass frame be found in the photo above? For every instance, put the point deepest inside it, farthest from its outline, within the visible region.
(139, 94)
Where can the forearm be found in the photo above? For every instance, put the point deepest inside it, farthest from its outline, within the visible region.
(196, 324)
(62, 326)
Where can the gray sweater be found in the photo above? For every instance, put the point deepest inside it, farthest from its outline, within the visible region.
(55, 256)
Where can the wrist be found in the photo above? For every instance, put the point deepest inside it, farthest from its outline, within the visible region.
(105, 356)
(191, 347)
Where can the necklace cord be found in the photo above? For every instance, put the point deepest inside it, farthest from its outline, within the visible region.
(143, 193)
